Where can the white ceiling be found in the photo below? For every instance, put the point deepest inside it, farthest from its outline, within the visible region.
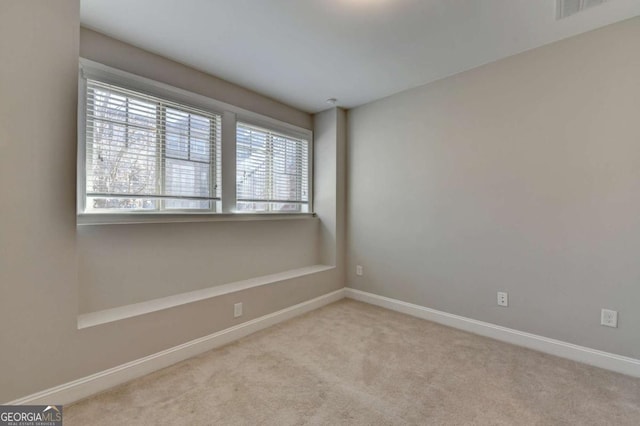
(302, 52)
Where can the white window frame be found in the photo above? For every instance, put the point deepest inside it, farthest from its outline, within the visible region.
(284, 132)
(230, 116)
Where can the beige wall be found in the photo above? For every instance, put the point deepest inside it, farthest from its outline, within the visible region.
(329, 188)
(330, 199)
(46, 264)
(522, 175)
(123, 264)
(39, 297)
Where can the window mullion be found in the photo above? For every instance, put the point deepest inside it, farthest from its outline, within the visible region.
(298, 168)
(189, 137)
(161, 157)
(213, 169)
(85, 137)
(270, 168)
(228, 162)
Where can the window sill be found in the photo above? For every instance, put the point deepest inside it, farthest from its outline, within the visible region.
(132, 218)
(105, 316)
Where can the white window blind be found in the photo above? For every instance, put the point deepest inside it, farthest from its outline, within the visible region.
(272, 171)
(144, 153)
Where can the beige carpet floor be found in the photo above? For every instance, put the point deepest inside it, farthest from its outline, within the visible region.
(355, 364)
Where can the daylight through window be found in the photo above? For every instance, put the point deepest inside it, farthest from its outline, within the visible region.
(148, 154)
(148, 151)
(272, 173)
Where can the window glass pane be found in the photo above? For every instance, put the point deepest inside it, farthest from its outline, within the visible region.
(244, 206)
(108, 105)
(121, 157)
(142, 113)
(120, 204)
(261, 207)
(186, 178)
(144, 153)
(199, 138)
(188, 205)
(177, 133)
(271, 171)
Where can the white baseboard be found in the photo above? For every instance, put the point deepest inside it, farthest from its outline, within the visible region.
(98, 382)
(606, 360)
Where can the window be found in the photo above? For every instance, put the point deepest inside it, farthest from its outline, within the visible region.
(272, 173)
(152, 152)
(144, 153)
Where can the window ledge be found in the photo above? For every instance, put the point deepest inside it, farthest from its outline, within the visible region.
(132, 218)
(105, 316)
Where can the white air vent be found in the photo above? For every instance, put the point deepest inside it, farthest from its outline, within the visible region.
(571, 7)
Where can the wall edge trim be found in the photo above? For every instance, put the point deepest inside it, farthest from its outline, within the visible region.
(89, 385)
(594, 357)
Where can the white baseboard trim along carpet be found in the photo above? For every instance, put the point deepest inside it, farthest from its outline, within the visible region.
(98, 382)
(597, 358)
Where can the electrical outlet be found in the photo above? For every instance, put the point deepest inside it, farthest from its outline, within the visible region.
(237, 310)
(609, 318)
(503, 298)
(359, 270)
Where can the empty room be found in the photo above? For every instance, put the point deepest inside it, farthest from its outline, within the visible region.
(319, 212)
